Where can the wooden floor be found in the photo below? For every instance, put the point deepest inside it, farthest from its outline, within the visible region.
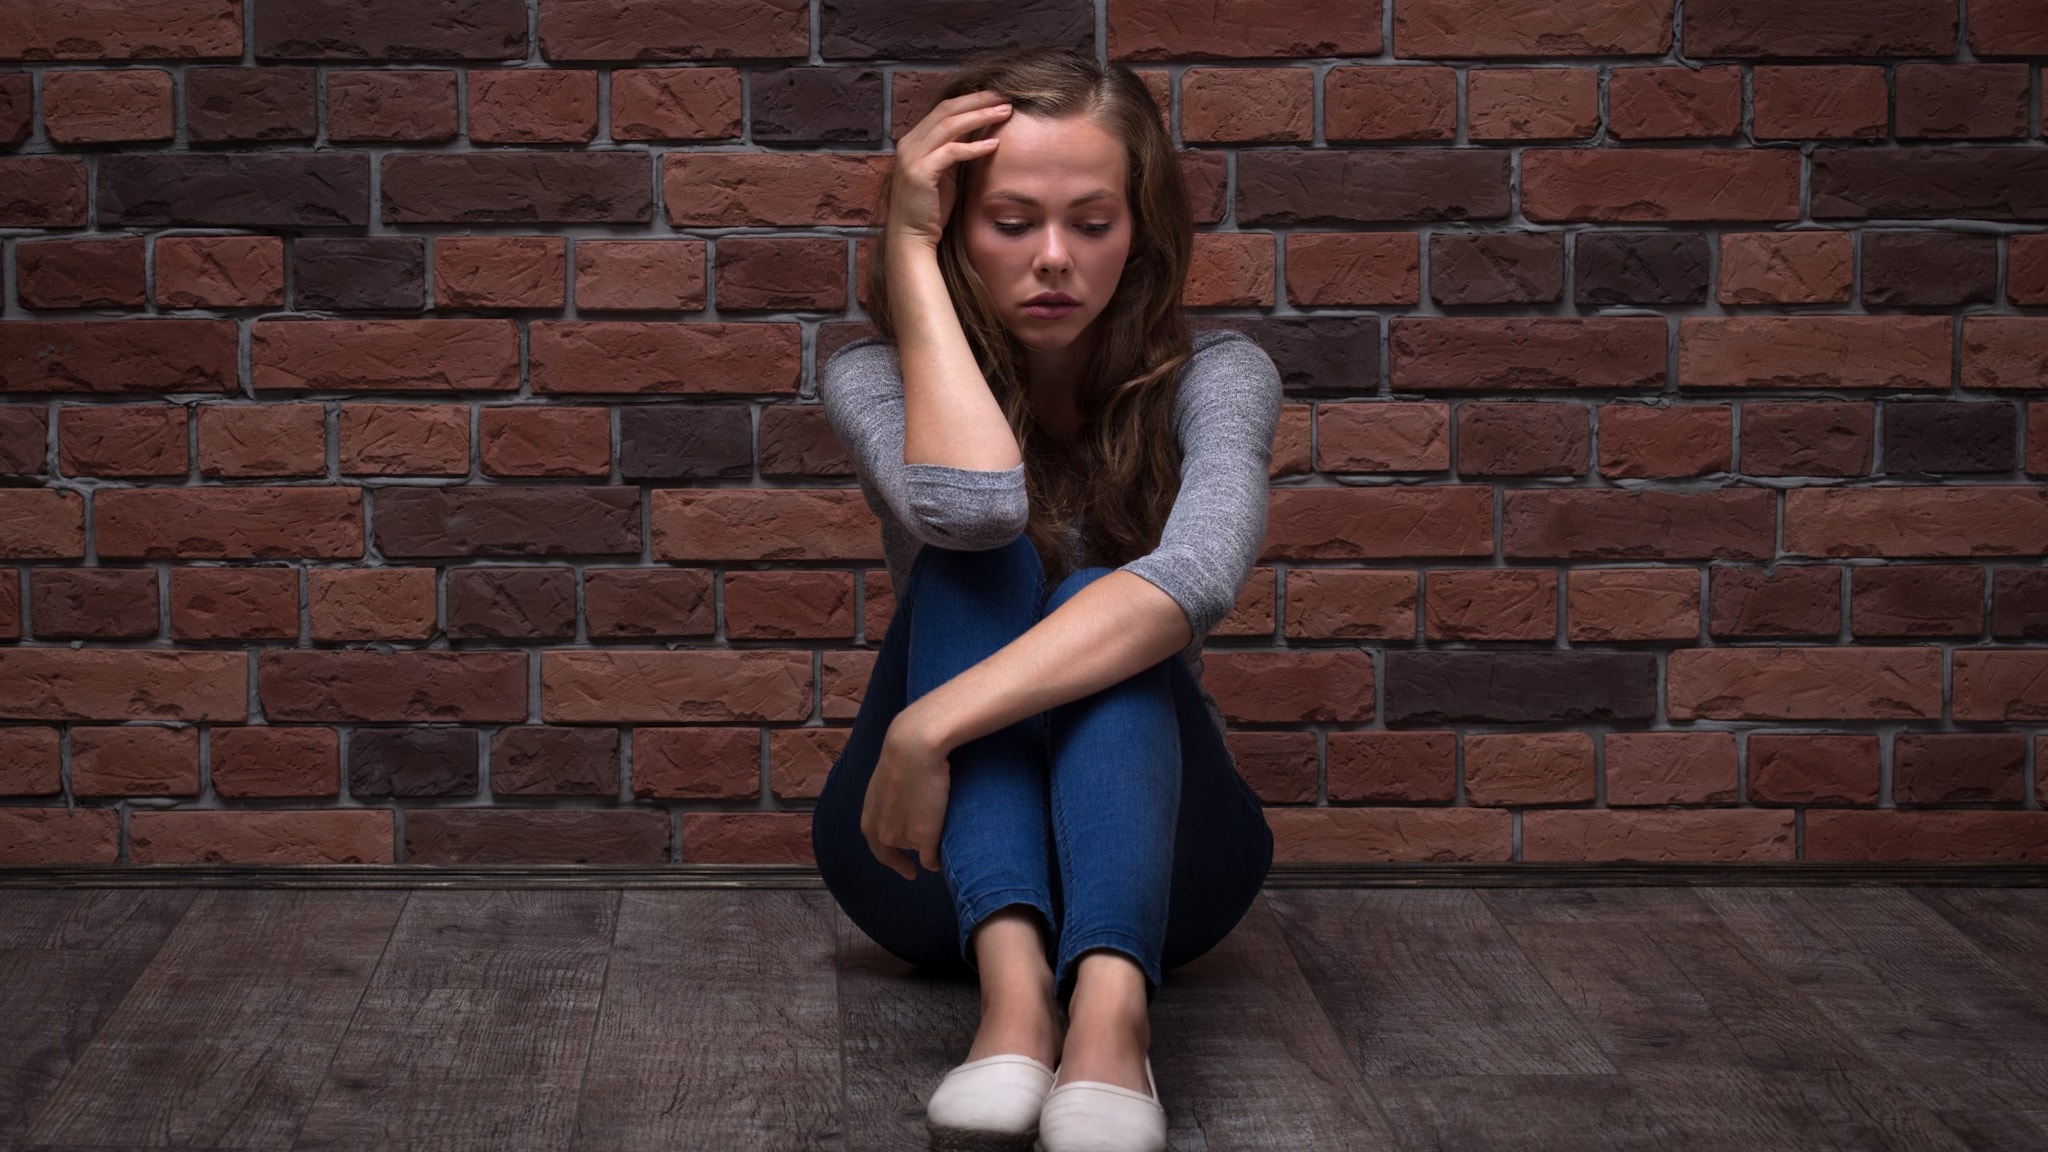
(1740, 1018)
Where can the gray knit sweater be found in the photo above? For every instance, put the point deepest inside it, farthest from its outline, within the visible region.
(1225, 413)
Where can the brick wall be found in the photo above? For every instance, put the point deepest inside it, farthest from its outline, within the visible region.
(408, 420)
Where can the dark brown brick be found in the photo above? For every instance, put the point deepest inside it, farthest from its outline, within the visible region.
(1522, 438)
(1496, 267)
(610, 187)
(1942, 436)
(80, 273)
(504, 603)
(1959, 767)
(1961, 101)
(667, 30)
(648, 603)
(1199, 29)
(685, 441)
(391, 30)
(1346, 186)
(1640, 267)
(93, 603)
(1916, 600)
(110, 30)
(233, 105)
(828, 105)
(1337, 354)
(536, 836)
(795, 440)
(2019, 603)
(412, 762)
(1437, 687)
(1916, 183)
(1636, 524)
(409, 104)
(356, 272)
(43, 191)
(24, 440)
(507, 520)
(533, 760)
(1781, 600)
(1820, 28)
(1929, 269)
(234, 189)
(17, 108)
(942, 29)
(1806, 438)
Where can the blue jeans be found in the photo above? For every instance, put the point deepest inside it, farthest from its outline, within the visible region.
(1118, 816)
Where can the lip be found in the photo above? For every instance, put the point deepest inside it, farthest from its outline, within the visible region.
(1050, 311)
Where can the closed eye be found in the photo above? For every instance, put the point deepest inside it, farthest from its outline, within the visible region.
(1012, 228)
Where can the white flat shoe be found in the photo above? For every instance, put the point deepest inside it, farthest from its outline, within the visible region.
(1090, 1116)
(988, 1105)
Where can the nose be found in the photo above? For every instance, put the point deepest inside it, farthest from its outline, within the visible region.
(1052, 257)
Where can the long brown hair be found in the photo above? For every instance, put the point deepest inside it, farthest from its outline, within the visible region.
(1124, 486)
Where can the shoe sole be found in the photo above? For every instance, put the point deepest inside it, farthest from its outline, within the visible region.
(981, 1140)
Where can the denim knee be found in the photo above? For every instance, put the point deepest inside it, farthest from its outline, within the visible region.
(1076, 580)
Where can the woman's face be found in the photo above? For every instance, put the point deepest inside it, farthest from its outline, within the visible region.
(1047, 213)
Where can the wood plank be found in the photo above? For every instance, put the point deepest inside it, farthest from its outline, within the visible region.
(223, 1038)
(1718, 1047)
(1999, 1131)
(66, 961)
(718, 1028)
(2010, 925)
(901, 1029)
(1424, 982)
(1246, 1059)
(1545, 1113)
(1957, 1031)
(474, 1029)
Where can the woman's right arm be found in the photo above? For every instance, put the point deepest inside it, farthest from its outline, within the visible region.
(951, 417)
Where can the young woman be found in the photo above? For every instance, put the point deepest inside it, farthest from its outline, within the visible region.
(1072, 493)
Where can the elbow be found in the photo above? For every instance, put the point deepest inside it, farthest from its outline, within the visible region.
(991, 523)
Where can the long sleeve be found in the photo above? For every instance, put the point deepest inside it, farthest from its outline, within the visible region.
(861, 389)
(1226, 413)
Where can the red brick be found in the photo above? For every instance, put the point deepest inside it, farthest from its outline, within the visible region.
(2026, 270)
(502, 271)
(637, 603)
(556, 440)
(1645, 768)
(1892, 352)
(141, 354)
(696, 103)
(1194, 29)
(59, 836)
(1528, 768)
(1889, 834)
(1244, 105)
(1819, 102)
(781, 273)
(808, 605)
(238, 523)
(747, 838)
(2008, 28)
(532, 105)
(1259, 687)
(1564, 184)
(385, 355)
(32, 765)
(42, 524)
(1532, 103)
(1644, 441)
(1378, 523)
(1729, 835)
(1959, 768)
(1375, 102)
(2004, 351)
(1281, 767)
(1609, 604)
(846, 675)
(697, 763)
(347, 604)
(134, 760)
(799, 760)
(1801, 768)
(1522, 438)
(1532, 27)
(642, 274)
(219, 272)
(234, 603)
(121, 683)
(275, 760)
(1869, 28)
(42, 191)
(1383, 436)
(1393, 767)
(94, 603)
(1353, 269)
(254, 440)
(1489, 604)
(106, 106)
(631, 357)
(762, 524)
(674, 687)
(1786, 682)
(1379, 835)
(1252, 613)
(80, 273)
(1231, 270)
(1916, 600)
(1999, 684)
(1971, 520)
(122, 440)
(1348, 603)
(807, 189)
(410, 105)
(404, 686)
(1778, 600)
(404, 439)
(1675, 102)
(1807, 438)
(1809, 267)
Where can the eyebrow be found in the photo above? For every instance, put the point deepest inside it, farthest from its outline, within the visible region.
(1010, 194)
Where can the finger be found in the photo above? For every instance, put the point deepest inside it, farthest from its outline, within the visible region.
(893, 859)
